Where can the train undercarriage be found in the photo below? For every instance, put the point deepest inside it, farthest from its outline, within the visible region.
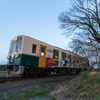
(32, 70)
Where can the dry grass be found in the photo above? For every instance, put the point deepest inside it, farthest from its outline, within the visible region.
(60, 90)
(93, 73)
(84, 87)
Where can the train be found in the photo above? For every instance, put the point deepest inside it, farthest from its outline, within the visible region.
(28, 56)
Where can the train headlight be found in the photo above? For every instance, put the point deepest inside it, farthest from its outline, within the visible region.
(8, 57)
(17, 55)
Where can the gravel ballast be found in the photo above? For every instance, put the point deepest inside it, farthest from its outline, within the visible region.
(8, 87)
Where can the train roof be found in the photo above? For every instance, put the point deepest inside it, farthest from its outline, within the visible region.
(46, 43)
(49, 44)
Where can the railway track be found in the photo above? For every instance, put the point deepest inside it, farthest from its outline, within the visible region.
(9, 79)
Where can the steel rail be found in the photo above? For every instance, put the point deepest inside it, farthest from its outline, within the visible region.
(35, 77)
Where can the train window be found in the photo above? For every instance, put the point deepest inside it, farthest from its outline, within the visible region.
(13, 48)
(63, 56)
(77, 61)
(19, 43)
(34, 48)
(55, 54)
(42, 51)
(10, 46)
(69, 57)
(99, 58)
(80, 60)
(74, 58)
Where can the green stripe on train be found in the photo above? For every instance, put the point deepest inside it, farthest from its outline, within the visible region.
(24, 60)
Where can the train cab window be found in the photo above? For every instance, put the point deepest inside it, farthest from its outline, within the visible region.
(13, 48)
(42, 51)
(63, 56)
(19, 43)
(55, 54)
(34, 48)
(69, 57)
(10, 46)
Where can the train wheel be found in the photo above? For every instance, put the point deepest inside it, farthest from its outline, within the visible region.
(24, 75)
(60, 71)
(77, 71)
(46, 72)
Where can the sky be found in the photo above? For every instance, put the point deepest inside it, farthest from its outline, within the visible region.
(35, 18)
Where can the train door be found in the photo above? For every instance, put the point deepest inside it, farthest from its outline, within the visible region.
(42, 56)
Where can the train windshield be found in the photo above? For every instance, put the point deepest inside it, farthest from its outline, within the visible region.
(19, 43)
(13, 48)
(10, 46)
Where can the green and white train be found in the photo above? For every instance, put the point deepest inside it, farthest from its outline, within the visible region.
(28, 56)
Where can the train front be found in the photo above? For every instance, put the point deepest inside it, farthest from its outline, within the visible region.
(14, 56)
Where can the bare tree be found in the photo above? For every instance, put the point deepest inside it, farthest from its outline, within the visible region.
(84, 18)
(88, 50)
(75, 45)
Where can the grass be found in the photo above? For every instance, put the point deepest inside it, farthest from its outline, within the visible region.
(4, 74)
(3, 71)
(84, 87)
(40, 91)
(91, 76)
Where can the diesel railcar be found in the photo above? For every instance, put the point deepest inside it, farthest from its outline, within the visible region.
(28, 56)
